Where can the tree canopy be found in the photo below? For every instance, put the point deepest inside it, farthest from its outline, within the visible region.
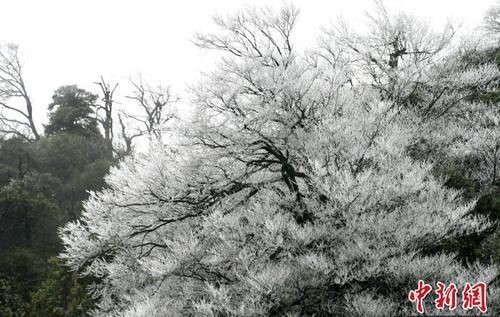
(42, 185)
(72, 110)
(307, 183)
(328, 181)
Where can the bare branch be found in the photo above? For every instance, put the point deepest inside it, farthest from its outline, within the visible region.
(154, 105)
(106, 119)
(12, 87)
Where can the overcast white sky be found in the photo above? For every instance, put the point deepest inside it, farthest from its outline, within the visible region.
(74, 42)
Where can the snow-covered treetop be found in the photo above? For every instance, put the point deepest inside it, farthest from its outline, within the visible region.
(293, 191)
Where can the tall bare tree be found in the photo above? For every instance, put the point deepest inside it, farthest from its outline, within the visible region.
(127, 136)
(154, 104)
(16, 109)
(106, 119)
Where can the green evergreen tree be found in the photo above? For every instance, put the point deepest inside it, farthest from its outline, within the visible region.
(72, 110)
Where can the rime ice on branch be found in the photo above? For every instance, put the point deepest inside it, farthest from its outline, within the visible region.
(294, 190)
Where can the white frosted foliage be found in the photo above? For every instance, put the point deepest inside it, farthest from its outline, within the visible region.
(292, 192)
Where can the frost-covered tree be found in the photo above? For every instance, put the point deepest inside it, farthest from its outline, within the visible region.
(294, 191)
(492, 20)
(416, 68)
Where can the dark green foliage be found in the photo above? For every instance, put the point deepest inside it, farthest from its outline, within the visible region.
(21, 270)
(11, 302)
(60, 294)
(15, 159)
(72, 110)
(65, 154)
(28, 219)
(42, 186)
(78, 162)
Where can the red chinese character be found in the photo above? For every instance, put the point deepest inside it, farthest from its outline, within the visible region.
(419, 294)
(475, 296)
(446, 297)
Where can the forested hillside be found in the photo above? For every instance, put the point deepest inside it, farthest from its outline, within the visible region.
(46, 177)
(319, 182)
(42, 185)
